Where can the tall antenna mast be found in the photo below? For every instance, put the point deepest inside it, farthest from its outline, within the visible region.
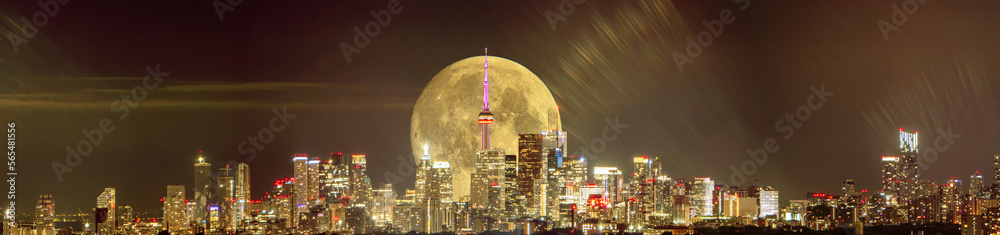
(486, 116)
(486, 79)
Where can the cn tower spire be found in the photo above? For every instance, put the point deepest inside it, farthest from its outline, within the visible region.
(486, 79)
(486, 116)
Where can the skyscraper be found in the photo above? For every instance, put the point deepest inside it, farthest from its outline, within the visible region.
(890, 174)
(576, 170)
(976, 184)
(951, 201)
(442, 173)
(490, 164)
(440, 216)
(642, 186)
(403, 217)
(423, 174)
(126, 217)
(529, 172)
(611, 180)
(202, 189)
(241, 191)
(511, 200)
(730, 205)
(702, 189)
(423, 186)
(384, 203)
(908, 165)
(335, 177)
(663, 198)
(553, 147)
(848, 188)
(227, 203)
(361, 184)
(174, 207)
(769, 202)
(45, 212)
(300, 164)
(105, 212)
(313, 185)
(996, 168)
(359, 210)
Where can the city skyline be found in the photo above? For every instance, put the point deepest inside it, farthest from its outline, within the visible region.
(795, 96)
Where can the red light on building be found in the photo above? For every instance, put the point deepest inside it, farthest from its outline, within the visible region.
(597, 201)
(820, 195)
(864, 190)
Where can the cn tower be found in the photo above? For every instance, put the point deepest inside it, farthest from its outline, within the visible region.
(486, 116)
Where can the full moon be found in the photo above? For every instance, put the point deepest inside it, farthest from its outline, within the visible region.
(445, 115)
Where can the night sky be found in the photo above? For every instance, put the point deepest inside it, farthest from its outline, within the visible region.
(605, 60)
